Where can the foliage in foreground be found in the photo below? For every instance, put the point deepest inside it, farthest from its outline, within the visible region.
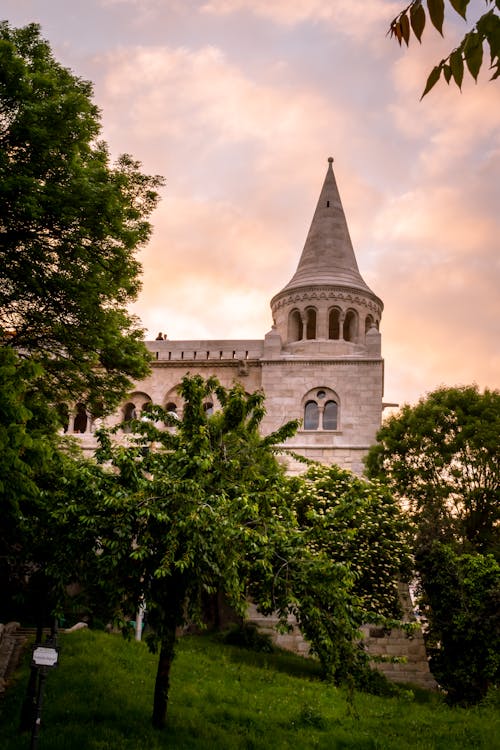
(442, 459)
(462, 602)
(203, 508)
(469, 53)
(229, 699)
(71, 223)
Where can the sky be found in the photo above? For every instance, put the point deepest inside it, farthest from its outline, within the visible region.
(238, 104)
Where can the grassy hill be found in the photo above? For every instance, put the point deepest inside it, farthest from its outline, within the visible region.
(226, 698)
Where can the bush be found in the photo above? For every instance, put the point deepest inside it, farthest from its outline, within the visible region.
(248, 636)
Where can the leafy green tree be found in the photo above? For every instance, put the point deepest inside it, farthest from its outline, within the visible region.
(42, 479)
(462, 602)
(203, 507)
(468, 55)
(70, 224)
(441, 458)
(197, 500)
(360, 525)
(24, 451)
(357, 540)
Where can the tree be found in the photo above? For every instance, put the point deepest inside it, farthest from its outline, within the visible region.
(42, 480)
(358, 524)
(351, 549)
(203, 507)
(441, 458)
(461, 600)
(193, 512)
(24, 452)
(70, 224)
(468, 54)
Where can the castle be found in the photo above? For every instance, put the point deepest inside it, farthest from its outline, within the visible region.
(320, 362)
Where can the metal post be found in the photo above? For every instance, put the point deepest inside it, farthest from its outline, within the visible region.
(37, 719)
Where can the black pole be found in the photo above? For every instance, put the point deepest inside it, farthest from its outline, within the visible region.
(30, 699)
(37, 719)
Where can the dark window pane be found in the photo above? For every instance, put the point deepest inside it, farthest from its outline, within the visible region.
(311, 416)
(330, 416)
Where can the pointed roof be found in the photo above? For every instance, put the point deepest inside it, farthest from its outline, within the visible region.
(328, 256)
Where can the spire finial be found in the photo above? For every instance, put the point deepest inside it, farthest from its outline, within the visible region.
(330, 160)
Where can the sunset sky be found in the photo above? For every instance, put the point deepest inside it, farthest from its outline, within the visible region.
(239, 103)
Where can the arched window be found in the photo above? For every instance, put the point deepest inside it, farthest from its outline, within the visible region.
(368, 323)
(129, 413)
(350, 326)
(146, 411)
(81, 419)
(295, 326)
(208, 408)
(311, 416)
(334, 324)
(330, 416)
(310, 323)
(321, 411)
(172, 410)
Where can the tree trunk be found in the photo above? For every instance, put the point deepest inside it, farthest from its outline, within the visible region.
(162, 684)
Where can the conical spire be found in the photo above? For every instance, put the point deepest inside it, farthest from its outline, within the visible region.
(328, 256)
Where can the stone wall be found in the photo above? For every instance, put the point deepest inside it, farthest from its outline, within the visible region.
(411, 667)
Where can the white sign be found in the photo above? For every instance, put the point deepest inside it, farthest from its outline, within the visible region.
(45, 657)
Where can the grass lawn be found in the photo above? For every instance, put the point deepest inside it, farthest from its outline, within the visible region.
(225, 698)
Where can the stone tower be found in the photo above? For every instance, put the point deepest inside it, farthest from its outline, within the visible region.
(320, 362)
(322, 359)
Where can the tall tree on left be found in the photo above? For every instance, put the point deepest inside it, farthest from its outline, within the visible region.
(70, 225)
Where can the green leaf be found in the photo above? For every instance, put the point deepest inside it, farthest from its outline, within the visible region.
(436, 13)
(473, 52)
(447, 73)
(457, 67)
(417, 19)
(460, 6)
(432, 79)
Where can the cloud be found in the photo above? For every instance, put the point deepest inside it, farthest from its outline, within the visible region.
(353, 19)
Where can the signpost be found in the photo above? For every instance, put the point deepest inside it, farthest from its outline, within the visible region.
(44, 658)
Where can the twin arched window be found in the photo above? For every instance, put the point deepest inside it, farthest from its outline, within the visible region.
(304, 325)
(321, 410)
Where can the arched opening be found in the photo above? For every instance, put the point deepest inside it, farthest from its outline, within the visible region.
(129, 413)
(334, 324)
(368, 323)
(208, 408)
(350, 331)
(81, 419)
(147, 411)
(295, 326)
(330, 415)
(310, 323)
(172, 410)
(311, 416)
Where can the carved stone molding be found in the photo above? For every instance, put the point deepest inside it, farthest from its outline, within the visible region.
(344, 294)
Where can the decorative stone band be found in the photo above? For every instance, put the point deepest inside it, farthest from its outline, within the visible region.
(339, 293)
